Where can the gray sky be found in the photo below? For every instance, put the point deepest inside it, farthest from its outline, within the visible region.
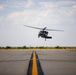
(53, 14)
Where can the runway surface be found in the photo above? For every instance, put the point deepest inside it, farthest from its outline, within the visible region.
(53, 62)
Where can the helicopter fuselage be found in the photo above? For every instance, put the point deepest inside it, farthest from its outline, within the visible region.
(44, 34)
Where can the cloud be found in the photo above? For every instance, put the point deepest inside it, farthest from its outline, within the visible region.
(38, 4)
(46, 5)
(48, 13)
(65, 3)
(51, 13)
(74, 6)
(1, 7)
(58, 14)
(30, 3)
(33, 17)
(20, 4)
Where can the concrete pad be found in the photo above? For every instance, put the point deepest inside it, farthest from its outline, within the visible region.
(57, 62)
(53, 62)
(14, 62)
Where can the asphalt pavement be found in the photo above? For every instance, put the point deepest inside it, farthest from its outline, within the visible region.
(53, 62)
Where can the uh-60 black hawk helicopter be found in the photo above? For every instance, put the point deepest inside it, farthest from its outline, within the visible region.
(43, 32)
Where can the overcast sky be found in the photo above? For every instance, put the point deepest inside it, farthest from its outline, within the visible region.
(53, 14)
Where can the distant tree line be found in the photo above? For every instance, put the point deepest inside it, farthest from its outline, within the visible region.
(41, 47)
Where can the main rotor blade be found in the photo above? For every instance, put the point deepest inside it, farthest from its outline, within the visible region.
(33, 27)
(53, 30)
(42, 28)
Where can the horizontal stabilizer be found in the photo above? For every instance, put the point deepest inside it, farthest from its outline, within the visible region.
(48, 37)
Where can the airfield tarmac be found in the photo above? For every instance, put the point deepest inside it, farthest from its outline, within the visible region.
(53, 62)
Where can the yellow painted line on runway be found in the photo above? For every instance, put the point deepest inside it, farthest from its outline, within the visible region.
(34, 66)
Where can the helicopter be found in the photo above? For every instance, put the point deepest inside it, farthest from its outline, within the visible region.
(43, 32)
